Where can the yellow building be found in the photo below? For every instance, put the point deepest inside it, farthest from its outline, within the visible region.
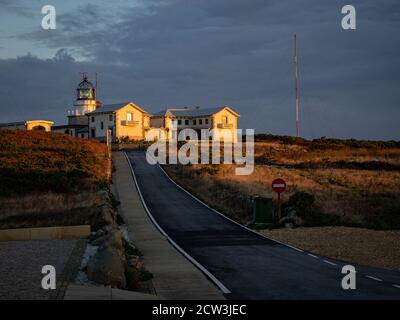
(34, 125)
(124, 120)
(222, 120)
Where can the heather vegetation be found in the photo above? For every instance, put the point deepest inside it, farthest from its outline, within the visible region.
(41, 162)
(49, 179)
(349, 182)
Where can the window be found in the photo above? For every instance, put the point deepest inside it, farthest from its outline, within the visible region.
(194, 122)
(92, 119)
(200, 121)
(102, 125)
(129, 116)
(93, 132)
(224, 120)
(206, 121)
(110, 117)
(186, 122)
(179, 122)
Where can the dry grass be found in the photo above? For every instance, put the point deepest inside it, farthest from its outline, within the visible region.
(49, 209)
(48, 202)
(41, 162)
(49, 179)
(279, 153)
(361, 246)
(356, 197)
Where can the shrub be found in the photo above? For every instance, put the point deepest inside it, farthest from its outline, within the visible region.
(42, 161)
(312, 216)
(131, 250)
(302, 201)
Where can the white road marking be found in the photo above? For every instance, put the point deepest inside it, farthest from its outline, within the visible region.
(396, 286)
(311, 255)
(206, 205)
(174, 244)
(373, 278)
(331, 263)
(279, 185)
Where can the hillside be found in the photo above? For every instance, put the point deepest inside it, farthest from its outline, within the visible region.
(38, 162)
(353, 183)
(49, 179)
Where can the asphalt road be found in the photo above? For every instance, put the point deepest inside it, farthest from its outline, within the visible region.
(249, 265)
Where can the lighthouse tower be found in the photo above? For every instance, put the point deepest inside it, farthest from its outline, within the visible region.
(85, 102)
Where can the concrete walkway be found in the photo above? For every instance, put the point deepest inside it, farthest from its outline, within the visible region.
(88, 292)
(174, 276)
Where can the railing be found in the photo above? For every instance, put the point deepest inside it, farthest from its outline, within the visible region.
(129, 122)
(76, 113)
(224, 125)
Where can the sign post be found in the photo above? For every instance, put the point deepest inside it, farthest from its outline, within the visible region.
(279, 186)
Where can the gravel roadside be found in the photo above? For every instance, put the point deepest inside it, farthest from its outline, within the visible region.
(362, 246)
(21, 263)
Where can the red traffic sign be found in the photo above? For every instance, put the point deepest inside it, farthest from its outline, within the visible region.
(279, 185)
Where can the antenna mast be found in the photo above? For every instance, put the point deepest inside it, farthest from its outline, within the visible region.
(296, 67)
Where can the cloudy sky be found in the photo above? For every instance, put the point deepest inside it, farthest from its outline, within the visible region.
(175, 53)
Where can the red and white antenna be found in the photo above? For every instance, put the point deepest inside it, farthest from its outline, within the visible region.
(296, 73)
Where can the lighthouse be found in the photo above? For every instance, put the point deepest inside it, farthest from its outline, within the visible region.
(85, 102)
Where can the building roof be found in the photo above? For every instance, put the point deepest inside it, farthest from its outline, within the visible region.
(114, 107)
(85, 84)
(19, 123)
(197, 112)
(69, 126)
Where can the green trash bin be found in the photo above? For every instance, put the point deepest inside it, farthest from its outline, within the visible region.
(263, 210)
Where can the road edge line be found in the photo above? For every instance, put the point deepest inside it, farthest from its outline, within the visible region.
(197, 199)
(218, 283)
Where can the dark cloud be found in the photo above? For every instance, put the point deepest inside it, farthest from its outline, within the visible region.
(226, 52)
(19, 7)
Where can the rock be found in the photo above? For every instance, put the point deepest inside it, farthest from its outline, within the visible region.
(96, 235)
(109, 237)
(135, 262)
(105, 197)
(291, 221)
(108, 229)
(104, 217)
(290, 212)
(99, 241)
(107, 267)
(114, 240)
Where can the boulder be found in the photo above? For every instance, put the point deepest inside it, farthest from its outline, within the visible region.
(291, 221)
(95, 235)
(99, 241)
(104, 217)
(108, 268)
(108, 237)
(114, 240)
